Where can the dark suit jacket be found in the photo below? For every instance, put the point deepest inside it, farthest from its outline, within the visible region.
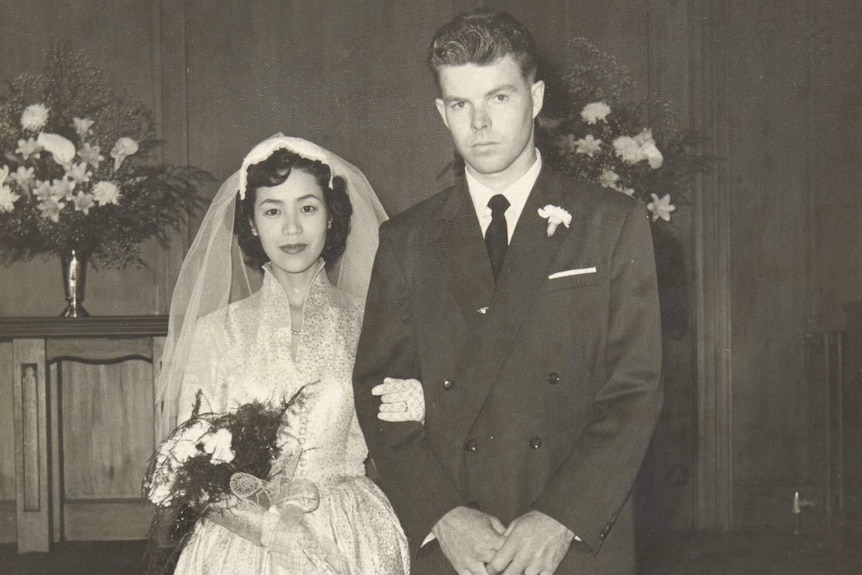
(540, 393)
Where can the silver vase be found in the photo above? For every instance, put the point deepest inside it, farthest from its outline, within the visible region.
(74, 282)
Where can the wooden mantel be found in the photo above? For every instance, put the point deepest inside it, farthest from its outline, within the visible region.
(103, 326)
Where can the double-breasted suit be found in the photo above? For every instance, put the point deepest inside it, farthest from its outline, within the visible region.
(542, 389)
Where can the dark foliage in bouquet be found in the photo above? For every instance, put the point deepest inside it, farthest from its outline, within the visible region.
(80, 168)
(191, 470)
(634, 146)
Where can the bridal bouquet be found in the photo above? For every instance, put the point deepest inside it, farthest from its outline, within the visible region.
(193, 466)
(602, 135)
(191, 470)
(218, 466)
(80, 168)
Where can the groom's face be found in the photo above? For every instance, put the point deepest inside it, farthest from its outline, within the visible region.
(490, 111)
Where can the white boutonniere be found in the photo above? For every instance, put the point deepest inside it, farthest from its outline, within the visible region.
(555, 216)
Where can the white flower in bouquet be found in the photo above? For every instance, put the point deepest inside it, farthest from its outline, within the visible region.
(7, 199)
(82, 126)
(42, 191)
(161, 493)
(34, 117)
(106, 193)
(50, 208)
(83, 202)
(641, 147)
(62, 150)
(588, 145)
(185, 445)
(161, 488)
(24, 176)
(27, 148)
(609, 179)
(184, 449)
(661, 207)
(78, 172)
(124, 148)
(595, 112)
(218, 445)
(90, 154)
(62, 188)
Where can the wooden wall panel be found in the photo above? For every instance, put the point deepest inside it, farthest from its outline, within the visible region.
(836, 130)
(346, 76)
(107, 428)
(768, 103)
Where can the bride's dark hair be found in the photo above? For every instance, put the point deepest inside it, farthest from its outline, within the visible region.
(274, 171)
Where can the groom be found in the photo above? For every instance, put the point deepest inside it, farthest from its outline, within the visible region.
(526, 304)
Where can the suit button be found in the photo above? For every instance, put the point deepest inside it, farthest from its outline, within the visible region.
(553, 378)
(447, 384)
(535, 442)
(470, 445)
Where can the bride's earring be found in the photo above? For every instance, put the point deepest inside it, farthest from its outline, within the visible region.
(329, 225)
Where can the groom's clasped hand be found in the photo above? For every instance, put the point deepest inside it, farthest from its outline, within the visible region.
(477, 543)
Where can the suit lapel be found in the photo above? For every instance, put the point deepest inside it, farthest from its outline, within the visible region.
(464, 256)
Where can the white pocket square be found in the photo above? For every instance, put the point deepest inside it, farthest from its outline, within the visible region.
(574, 272)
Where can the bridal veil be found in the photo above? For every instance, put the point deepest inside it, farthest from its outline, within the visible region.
(214, 274)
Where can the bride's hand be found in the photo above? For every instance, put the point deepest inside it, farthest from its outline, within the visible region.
(402, 400)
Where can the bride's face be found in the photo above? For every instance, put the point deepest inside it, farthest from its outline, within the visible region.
(291, 220)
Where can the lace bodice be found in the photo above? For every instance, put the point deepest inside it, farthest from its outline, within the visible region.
(243, 354)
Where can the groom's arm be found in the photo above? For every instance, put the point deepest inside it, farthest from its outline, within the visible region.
(591, 487)
(409, 473)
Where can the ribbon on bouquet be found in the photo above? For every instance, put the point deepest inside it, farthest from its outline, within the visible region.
(286, 500)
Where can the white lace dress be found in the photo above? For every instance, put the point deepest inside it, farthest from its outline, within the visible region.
(246, 358)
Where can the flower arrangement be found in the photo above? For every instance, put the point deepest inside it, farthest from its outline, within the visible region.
(79, 168)
(633, 147)
(192, 469)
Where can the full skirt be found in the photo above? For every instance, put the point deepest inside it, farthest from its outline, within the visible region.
(353, 513)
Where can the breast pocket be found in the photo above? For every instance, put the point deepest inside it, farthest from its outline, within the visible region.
(579, 279)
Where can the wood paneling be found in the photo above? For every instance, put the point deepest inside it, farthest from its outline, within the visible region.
(106, 428)
(836, 134)
(32, 471)
(767, 96)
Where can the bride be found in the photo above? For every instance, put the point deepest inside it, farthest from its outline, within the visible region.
(304, 215)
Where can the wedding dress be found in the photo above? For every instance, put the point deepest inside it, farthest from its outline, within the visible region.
(244, 356)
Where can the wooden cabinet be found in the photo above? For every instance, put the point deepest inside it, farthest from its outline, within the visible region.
(76, 427)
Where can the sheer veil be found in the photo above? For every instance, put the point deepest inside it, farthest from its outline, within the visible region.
(213, 273)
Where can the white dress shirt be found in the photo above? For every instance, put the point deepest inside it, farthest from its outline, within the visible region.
(517, 194)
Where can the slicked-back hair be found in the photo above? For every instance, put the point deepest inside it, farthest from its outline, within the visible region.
(482, 36)
(274, 171)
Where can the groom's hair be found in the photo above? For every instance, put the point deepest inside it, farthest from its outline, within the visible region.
(274, 171)
(482, 36)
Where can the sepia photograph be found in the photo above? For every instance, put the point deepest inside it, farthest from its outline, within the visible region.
(393, 287)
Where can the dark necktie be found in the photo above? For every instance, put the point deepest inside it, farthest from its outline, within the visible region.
(497, 234)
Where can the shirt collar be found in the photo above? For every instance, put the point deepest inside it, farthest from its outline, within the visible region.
(517, 192)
